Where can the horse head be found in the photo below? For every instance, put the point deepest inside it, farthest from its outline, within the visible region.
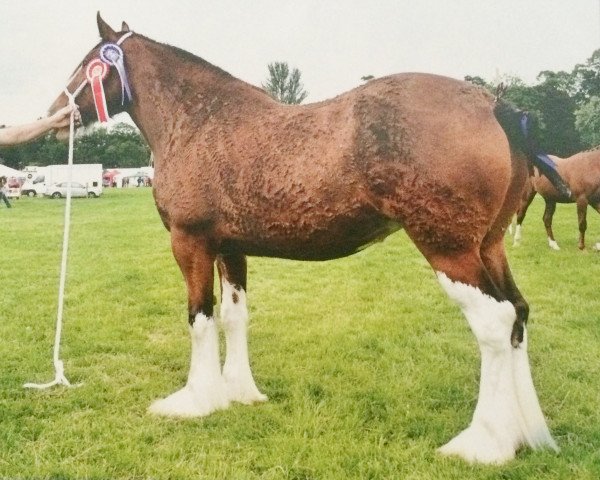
(100, 69)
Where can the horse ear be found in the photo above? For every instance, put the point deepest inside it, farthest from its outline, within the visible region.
(124, 27)
(106, 33)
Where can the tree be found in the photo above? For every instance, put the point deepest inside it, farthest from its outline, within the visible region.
(283, 85)
(121, 147)
(561, 81)
(558, 110)
(587, 122)
(553, 109)
(586, 78)
(477, 80)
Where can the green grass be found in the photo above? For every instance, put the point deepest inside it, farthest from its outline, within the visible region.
(368, 366)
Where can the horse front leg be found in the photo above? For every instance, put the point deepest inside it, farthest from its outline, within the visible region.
(239, 381)
(204, 391)
(548, 214)
(582, 204)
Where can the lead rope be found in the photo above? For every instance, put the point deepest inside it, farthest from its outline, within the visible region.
(59, 367)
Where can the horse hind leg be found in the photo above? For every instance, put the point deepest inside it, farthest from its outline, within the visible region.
(548, 214)
(204, 391)
(596, 206)
(521, 212)
(239, 382)
(507, 414)
(536, 432)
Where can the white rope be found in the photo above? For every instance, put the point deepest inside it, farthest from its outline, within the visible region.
(59, 368)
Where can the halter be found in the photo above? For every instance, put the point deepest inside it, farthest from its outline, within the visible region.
(97, 70)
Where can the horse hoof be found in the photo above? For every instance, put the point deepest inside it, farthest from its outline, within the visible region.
(187, 403)
(248, 398)
(553, 245)
(243, 392)
(476, 445)
(516, 336)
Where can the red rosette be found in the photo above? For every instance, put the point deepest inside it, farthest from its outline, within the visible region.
(95, 72)
(96, 68)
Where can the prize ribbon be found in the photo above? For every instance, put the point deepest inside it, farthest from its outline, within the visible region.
(112, 54)
(95, 72)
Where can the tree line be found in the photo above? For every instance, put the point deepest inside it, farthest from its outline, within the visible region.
(566, 106)
(120, 147)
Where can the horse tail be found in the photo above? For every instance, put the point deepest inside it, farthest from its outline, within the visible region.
(518, 127)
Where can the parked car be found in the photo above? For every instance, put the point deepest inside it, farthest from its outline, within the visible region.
(59, 190)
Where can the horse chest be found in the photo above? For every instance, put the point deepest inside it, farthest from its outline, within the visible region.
(181, 200)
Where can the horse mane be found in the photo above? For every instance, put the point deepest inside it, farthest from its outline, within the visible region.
(188, 57)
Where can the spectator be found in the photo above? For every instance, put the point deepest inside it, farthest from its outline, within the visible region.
(4, 191)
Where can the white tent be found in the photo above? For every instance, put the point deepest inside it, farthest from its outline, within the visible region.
(9, 172)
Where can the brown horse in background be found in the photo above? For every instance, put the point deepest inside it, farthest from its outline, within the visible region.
(582, 173)
(237, 173)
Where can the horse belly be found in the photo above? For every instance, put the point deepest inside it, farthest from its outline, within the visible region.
(306, 239)
(543, 186)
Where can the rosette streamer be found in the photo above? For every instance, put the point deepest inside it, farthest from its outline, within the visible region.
(95, 72)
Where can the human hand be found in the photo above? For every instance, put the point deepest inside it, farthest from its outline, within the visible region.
(62, 117)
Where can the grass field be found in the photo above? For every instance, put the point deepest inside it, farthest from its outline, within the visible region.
(367, 365)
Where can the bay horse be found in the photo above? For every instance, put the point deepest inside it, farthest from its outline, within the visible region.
(237, 174)
(582, 173)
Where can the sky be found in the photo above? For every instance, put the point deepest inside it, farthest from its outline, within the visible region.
(333, 43)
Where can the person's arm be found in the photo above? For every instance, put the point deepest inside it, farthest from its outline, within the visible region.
(25, 133)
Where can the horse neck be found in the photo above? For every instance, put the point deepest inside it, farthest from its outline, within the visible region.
(173, 89)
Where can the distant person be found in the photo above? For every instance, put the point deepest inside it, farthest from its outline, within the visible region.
(4, 191)
(25, 133)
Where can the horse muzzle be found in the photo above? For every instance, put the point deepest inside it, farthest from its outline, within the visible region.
(62, 134)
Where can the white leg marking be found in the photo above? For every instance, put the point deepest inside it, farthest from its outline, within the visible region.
(508, 413)
(535, 431)
(517, 239)
(552, 244)
(204, 391)
(236, 371)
